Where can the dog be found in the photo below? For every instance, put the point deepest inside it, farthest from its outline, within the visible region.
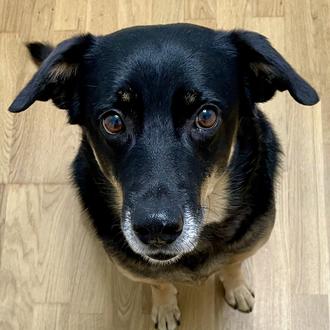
(177, 165)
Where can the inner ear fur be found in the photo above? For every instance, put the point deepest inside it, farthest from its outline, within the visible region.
(266, 71)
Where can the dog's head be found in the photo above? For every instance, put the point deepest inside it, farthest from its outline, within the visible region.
(159, 106)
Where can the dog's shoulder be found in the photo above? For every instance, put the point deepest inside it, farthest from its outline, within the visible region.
(254, 164)
(252, 172)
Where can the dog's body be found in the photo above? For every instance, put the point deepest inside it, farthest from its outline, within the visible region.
(177, 165)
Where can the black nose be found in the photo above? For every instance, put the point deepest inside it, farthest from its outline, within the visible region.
(159, 229)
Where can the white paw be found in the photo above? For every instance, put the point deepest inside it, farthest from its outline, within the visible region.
(166, 317)
(240, 297)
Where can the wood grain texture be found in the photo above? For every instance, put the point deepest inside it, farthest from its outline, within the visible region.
(134, 12)
(200, 9)
(233, 13)
(9, 48)
(39, 135)
(268, 8)
(70, 15)
(14, 13)
(306, 307)
(3, 204)
(54, 273)
(170, 11)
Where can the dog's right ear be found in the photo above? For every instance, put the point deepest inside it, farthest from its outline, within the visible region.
(57, 75)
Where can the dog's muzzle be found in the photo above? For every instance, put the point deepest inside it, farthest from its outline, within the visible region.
(161, 237)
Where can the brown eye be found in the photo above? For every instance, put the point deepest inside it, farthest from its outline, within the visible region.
(206, 118)
(113, 124)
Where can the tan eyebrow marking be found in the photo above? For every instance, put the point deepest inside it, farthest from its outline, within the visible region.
(190, 97)
(125, 96)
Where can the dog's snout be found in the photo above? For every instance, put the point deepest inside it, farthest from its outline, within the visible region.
(159, 229)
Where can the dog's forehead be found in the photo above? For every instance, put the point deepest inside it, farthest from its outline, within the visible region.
(142, 48)
(187, 34)
(158, 59)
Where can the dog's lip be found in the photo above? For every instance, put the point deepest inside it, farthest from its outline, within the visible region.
(161, 256)
(162, 259)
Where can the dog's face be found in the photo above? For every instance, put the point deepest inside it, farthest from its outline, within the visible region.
(161, 124)
(160, 108)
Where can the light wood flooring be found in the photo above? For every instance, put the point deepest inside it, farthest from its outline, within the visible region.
(53, 272)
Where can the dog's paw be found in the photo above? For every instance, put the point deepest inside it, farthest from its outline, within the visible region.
(166, 317)
(240, 297)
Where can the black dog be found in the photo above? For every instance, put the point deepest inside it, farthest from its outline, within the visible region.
(177, 164)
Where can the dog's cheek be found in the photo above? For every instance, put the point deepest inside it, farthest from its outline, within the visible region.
(208, 187)
(118, 195)
(215, 197)
(117, 188)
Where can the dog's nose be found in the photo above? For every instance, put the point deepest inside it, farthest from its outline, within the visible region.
(158, 229)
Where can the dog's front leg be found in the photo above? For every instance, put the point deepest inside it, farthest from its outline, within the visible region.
(165, 311)
(237, 293)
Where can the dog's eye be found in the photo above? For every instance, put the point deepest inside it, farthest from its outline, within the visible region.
(207, 117)
(112, 123)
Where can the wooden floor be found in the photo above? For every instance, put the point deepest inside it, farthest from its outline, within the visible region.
(53, 272)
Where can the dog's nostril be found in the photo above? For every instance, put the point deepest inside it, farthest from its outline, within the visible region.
(173, 228)
(142, 232)
(171, 232)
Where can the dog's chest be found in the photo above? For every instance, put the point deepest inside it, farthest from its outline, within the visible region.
(188, 274)
(198, 268)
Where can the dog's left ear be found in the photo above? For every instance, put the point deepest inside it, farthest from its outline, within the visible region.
(267, 71)
(58, 74)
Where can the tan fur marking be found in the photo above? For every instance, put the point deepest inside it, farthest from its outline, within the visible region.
(119, 193)
(125, 96)
(190, 97)
(163, 293)
(63, 71)
(215, 190)
(233, 144)
(215, 197)
(237, 293)
(165, 311)
(133, 277)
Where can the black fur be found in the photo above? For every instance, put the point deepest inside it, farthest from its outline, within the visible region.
(162, 159)
(39, 51)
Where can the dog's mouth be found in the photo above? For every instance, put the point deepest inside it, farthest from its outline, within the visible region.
(162, 258)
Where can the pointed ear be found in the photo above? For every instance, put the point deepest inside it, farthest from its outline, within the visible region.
(267, 71)
(57, 76)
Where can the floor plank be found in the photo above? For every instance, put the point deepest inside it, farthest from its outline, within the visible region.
(54, 273)
(310, 312)
(9, 49)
